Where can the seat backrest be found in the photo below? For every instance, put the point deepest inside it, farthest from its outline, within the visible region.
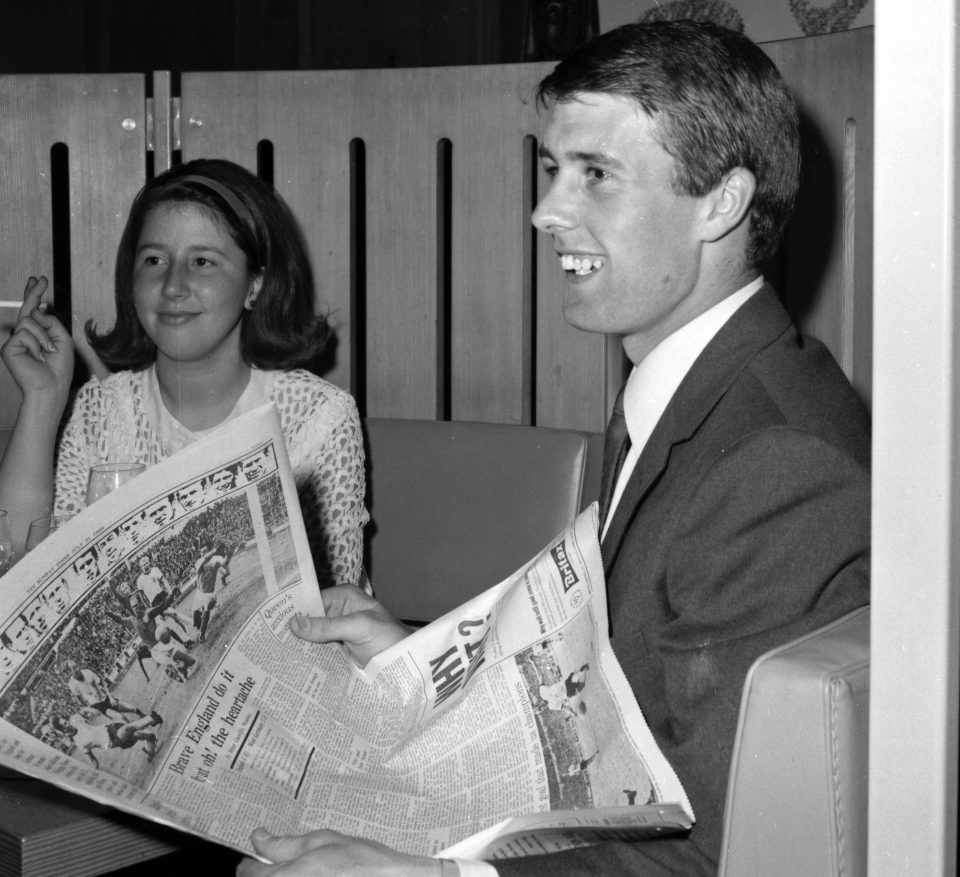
(457, 507)
(797, 797)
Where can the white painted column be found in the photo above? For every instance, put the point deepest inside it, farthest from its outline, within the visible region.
(916, 464)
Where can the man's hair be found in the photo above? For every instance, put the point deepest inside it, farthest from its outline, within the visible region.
(281, 331)
(717, 102)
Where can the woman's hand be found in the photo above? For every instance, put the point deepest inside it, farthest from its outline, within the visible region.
(327, 853)
(354, 618)
(39, 352)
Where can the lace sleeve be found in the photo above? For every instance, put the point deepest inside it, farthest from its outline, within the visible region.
(73, 455)
(326, 449)
(340, 486)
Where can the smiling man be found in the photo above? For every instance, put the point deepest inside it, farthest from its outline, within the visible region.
(735, 512)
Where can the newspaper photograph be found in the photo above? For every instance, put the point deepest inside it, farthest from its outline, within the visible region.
(146, 663)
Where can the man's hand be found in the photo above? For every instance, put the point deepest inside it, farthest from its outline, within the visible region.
(353, 618)
(323, 852)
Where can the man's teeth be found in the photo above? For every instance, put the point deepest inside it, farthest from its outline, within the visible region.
(580, 265)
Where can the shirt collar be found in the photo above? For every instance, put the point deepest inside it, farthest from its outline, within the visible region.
(655, 379)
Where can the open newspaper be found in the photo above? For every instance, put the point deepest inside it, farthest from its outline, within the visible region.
(146, 663)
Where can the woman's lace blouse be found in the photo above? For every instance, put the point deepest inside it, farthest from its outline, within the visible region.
(111, 420)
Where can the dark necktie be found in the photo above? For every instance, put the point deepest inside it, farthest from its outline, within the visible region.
(616, 443)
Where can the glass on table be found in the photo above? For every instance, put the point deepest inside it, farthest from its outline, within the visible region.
(43, 527)
(105, 477)
(6, 543)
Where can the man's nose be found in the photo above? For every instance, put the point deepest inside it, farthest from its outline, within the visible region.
(556, 210)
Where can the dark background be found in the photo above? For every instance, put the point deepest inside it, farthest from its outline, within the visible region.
(129, 36)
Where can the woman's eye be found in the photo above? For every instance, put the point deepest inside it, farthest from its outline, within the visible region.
(151, 260)
(596, 174)
(202, 261)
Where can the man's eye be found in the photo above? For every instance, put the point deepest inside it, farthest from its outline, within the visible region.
(594, 173)
(550, 170)
(202, 261)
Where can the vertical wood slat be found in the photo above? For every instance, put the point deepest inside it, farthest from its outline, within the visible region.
(512, 357)
(828, 249)
(101, 119)
(401, 116)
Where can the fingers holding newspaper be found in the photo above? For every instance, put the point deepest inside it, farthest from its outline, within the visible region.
(325, 852)
(364, 626)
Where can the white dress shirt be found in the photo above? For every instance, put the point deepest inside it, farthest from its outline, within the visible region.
(650, 388)
(655, 379)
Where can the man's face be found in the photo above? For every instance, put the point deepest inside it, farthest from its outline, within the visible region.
(191, 495)
(161, 513)
(111, 547)
(19, 636)
(57, 596)
(254, 468)
(145, 564)
(629, 245)
(223, 481)
(86, 567)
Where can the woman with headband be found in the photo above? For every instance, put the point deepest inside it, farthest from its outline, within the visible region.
(215, 316)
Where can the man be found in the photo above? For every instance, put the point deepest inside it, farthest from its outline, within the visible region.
(167, 654)
(87, 734)
(739, 517)
(212, 567)
(90, 690)
(151, 583)
(148, 624)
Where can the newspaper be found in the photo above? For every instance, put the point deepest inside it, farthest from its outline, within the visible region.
(504, 728)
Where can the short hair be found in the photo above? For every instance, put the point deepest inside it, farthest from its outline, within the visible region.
(281, 330)
(717, 101)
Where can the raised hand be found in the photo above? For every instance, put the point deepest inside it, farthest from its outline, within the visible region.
(39, 352)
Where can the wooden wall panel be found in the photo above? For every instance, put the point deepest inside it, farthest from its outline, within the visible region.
(475, 344)
(413, 188)
(828, 252)
(228, 115)
(100, 119)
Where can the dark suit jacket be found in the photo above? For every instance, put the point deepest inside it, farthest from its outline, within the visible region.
(745, 524)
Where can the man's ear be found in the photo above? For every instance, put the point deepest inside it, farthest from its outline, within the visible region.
(728, 205)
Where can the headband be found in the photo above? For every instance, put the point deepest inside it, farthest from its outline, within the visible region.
(240, 210)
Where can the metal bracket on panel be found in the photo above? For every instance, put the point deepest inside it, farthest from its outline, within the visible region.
(173, 120)
(163, 122)
(151, 127)
(175, 123)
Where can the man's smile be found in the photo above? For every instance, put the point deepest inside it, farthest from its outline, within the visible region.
(580, 264)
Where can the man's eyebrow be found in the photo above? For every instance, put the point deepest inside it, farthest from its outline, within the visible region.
(602, 159)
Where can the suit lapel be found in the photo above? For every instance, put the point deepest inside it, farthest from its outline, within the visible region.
(754, 326)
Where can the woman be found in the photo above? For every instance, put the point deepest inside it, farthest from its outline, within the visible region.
(214, 317)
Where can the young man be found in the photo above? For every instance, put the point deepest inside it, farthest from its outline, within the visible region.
(739, 516)
(151, 582)
(88, 734)
(91, 691)
(212, 568)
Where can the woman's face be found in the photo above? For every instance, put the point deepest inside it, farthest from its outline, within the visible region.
(191, 283)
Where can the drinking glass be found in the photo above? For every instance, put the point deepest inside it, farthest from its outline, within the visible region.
(105, 477)
(43, 527)
(6, 543)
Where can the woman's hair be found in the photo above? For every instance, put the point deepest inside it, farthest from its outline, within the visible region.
(281, 330)
(718, 103)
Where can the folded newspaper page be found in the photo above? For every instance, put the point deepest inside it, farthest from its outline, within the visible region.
(146, 663)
